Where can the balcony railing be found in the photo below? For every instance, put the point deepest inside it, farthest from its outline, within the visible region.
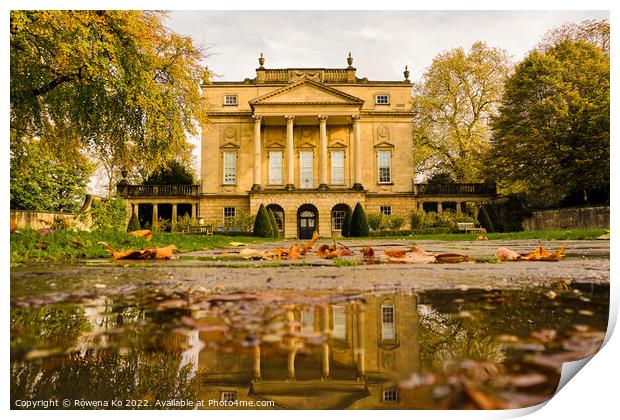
(127, 190)
(455, 189)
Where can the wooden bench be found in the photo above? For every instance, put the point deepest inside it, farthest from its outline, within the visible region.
(200, 230)
(470, 227)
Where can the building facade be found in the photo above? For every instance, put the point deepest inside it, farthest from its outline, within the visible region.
(308, 143)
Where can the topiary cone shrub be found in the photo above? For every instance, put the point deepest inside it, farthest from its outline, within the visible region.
(134, 223)
(359, 223)
(346, 224)
(262, 224)
(274, 223)
(485, 220)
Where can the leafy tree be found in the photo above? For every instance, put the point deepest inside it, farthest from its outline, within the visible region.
(595, 32)
(41, 180)
(274, 223)
(458, 94)
(119, 79)
(262, 224)
(109, 214)
(134, 223)
(440, 178)
(551, 138)
(172, 173)
(346, 224)
(485, 220)
(359, 224)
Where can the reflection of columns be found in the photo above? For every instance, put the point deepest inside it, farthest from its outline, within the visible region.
(257, 154)
(290, 153)
(291, 364)
(361, 362)
(155, 217)
(325, 346)
(439, 207)
(257, 374)
(458, 206)
(323, 151)
(357, 155)
(174, 216)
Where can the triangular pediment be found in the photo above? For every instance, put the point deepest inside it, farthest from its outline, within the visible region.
(307, 92)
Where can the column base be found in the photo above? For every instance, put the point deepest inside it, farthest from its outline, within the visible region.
(289, 187)
(255, 188)
(357, 187)
(323, 187)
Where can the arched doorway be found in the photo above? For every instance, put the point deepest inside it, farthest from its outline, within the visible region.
(278, 212)
(339, 212)
(307, 221)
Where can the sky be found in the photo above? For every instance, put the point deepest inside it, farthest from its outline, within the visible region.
(381, 42)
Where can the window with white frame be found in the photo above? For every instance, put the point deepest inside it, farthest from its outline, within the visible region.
(388, 330)
(230, 168)
(338, 167)
(305, 172)
(390, 395)
(228, 396)
(229, 212)
(382, 99)
(337, 219)
(230, 100)
(307, 320)
(275, 167)
(386, 210)
(339, 317)
(384, 163)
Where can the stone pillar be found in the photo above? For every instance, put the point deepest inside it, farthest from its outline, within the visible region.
(195, 211)
(323, 152)
(257, 154)
(458, 206)
(325, 347)
(174, 216)
(361, 361)
(136, 210)
(357, 155)
(257, 373)
(439, 207)
(290, 153)
(155, 216)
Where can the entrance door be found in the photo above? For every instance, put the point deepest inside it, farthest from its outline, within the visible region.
(306, 223)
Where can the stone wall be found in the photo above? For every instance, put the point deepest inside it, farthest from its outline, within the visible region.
(37, 220)
(570, 218)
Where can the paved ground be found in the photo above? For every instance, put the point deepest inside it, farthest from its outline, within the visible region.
(585, 261)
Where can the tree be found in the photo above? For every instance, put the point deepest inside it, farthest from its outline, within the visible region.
(262, 224)
(485, 220)
(274, 223)
(359, 224)
(346, 224)
(551, 137)
(453, 103)
(41, 180)
(594, 32)
(172, 173)
(134, 223)
(116, 78)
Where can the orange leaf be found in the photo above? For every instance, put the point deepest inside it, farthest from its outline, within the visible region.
(163, 253)
(146, 234)
(368, 252)
(293, 253)
(451, 258)
(541, 254)
(395, 253)
(308, 245)
(324, 250)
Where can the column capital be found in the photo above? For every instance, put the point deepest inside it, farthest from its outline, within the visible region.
(257, 118)
(322, 118)
(289, 118)
(355, 118)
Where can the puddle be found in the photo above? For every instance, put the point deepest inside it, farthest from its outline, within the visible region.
(148, 347)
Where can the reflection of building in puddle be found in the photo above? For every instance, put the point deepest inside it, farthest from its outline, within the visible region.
(370, 346)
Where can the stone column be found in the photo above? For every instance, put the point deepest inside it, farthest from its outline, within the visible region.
(136, 210)
(257, 154)
(458, 206)
(439, 207)
(361, 361)
(323, 150)
(174, 216)
(357, 155)
(155, 216)
(257, 373)
(290, 153)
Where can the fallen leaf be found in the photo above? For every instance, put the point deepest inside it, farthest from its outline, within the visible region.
(541, 254)
(163, 253)
(146, 234)
(13, 226)
(308, 245)
(249, 253)
(420, 251)
(293, 253)
(395, 253)
(506, 254)
(451, 258)
(368, 252)
(413, 259)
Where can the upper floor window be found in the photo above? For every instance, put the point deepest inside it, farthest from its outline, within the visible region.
(230, 168)
(382, 99)
(339, 317)
(388, 330)
(384, 158)
(275, 167)
(386, 210)
(338, 167)
(230, 99)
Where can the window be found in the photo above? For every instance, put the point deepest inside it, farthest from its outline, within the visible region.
(230, 168)
(305, 173)
(387, 210)
(229, 212)
(275, 167)
(228, 396)
(382, 99)
(307, 320)
(337, 219)
(388, 332)
(338, 167)
(390, 395)
(339, 316)
(230, 100)
(384, 158)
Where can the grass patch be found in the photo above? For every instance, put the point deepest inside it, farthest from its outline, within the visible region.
(341, 262)
(66, 245)
(543, 235)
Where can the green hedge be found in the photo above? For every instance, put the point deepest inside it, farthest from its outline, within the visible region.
(262, 223)
(359, 223)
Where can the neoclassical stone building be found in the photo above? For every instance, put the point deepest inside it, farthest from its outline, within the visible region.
(309, 143)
